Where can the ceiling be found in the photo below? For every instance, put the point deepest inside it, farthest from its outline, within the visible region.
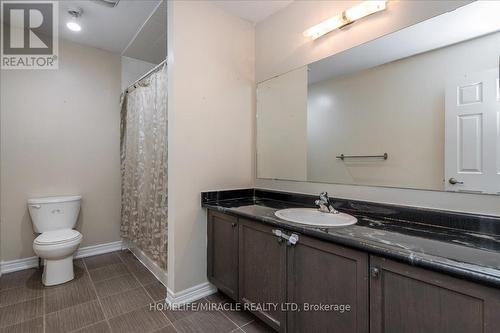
(137, 28)
(110, 29)
(150, 43)
(253, 10)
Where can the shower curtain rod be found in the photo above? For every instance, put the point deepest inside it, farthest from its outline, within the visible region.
(148, 73)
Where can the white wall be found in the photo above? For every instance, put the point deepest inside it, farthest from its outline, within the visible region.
(133, 69)
(280, 47)
(363, 112)
(211, 121)
(282, 126)
(60, 134)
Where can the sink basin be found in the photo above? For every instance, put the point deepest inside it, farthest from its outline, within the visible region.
(313, 217)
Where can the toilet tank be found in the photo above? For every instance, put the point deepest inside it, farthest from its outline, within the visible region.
(53, 213)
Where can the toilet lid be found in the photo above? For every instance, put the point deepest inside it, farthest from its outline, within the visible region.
(57, 237)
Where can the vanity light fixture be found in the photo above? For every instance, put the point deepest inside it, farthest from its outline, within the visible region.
(346, 17)
(73, 24)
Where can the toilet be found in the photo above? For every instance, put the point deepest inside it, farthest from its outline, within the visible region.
(54, 219)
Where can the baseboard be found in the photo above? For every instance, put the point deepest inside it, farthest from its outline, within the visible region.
(94, 250)
(87, 251)
(18, 264)
(191, 294)
(159, 273)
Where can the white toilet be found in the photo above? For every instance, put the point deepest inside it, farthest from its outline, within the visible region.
(54, 219)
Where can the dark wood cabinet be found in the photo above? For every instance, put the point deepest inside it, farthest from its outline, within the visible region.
(251, 264)
(404, 298)
(327, 274)
(262, 272)
(222, 252)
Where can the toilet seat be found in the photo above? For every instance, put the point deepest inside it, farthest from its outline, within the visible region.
(56, 237)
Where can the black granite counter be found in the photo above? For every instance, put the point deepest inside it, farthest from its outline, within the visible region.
(459, 244)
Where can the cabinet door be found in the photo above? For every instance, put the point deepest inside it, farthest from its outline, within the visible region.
(404, 298)
(327, 274)
(222, 252)
(262, 272)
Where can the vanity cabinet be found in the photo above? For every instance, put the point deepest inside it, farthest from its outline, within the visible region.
(251, 264)
(404, 298)
(222, 252)
(262, 272)
(320, 272)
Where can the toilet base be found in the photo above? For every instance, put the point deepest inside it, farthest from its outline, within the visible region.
(58, 271)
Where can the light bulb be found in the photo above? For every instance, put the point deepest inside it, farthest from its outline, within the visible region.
(348, 16)
(73, 26)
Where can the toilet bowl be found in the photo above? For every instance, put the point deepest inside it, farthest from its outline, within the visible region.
(54, 219)
(57, 249)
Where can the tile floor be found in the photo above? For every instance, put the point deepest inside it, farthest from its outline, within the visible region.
(110, 293)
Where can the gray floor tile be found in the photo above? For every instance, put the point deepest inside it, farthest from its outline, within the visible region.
(116, 285)
(72, 294)
(102, 327)
(125, 302)
(175, 315)
(182, 312)
(127, 256)
(168, 329)
(30, 326)
(16, 295)
(75, 317)
(157, 291)
(102, 260)
(205, 322)
(108, 272)
(125, 288)
(25, 278)
(20, 312)
(257, 326)
(140, 320)
(144, 276)
(230, 309)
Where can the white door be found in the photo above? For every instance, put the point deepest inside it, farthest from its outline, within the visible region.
(472, 135)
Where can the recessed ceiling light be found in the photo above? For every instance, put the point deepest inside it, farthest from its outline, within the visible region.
(73, 24)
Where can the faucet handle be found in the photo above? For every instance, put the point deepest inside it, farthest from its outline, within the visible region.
(323, 196)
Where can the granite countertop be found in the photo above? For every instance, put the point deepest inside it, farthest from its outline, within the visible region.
(462, 245)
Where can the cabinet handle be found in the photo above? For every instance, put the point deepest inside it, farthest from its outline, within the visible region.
(233, 224)
(279, 234)
(293, 239)
(375, 272)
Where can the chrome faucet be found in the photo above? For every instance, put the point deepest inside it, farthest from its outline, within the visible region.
(324, 204)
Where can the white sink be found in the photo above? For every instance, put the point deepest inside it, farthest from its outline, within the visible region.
(313, 217)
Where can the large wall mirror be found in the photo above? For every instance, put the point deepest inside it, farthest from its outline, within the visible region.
(419, 108)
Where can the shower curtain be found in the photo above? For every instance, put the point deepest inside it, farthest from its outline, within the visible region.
(143, 147)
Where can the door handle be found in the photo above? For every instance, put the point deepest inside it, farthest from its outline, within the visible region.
(374, 272)
(453, 181)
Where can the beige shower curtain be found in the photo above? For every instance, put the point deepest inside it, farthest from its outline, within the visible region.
(144, 166)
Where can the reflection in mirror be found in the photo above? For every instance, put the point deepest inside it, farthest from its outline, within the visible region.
(404, 110)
